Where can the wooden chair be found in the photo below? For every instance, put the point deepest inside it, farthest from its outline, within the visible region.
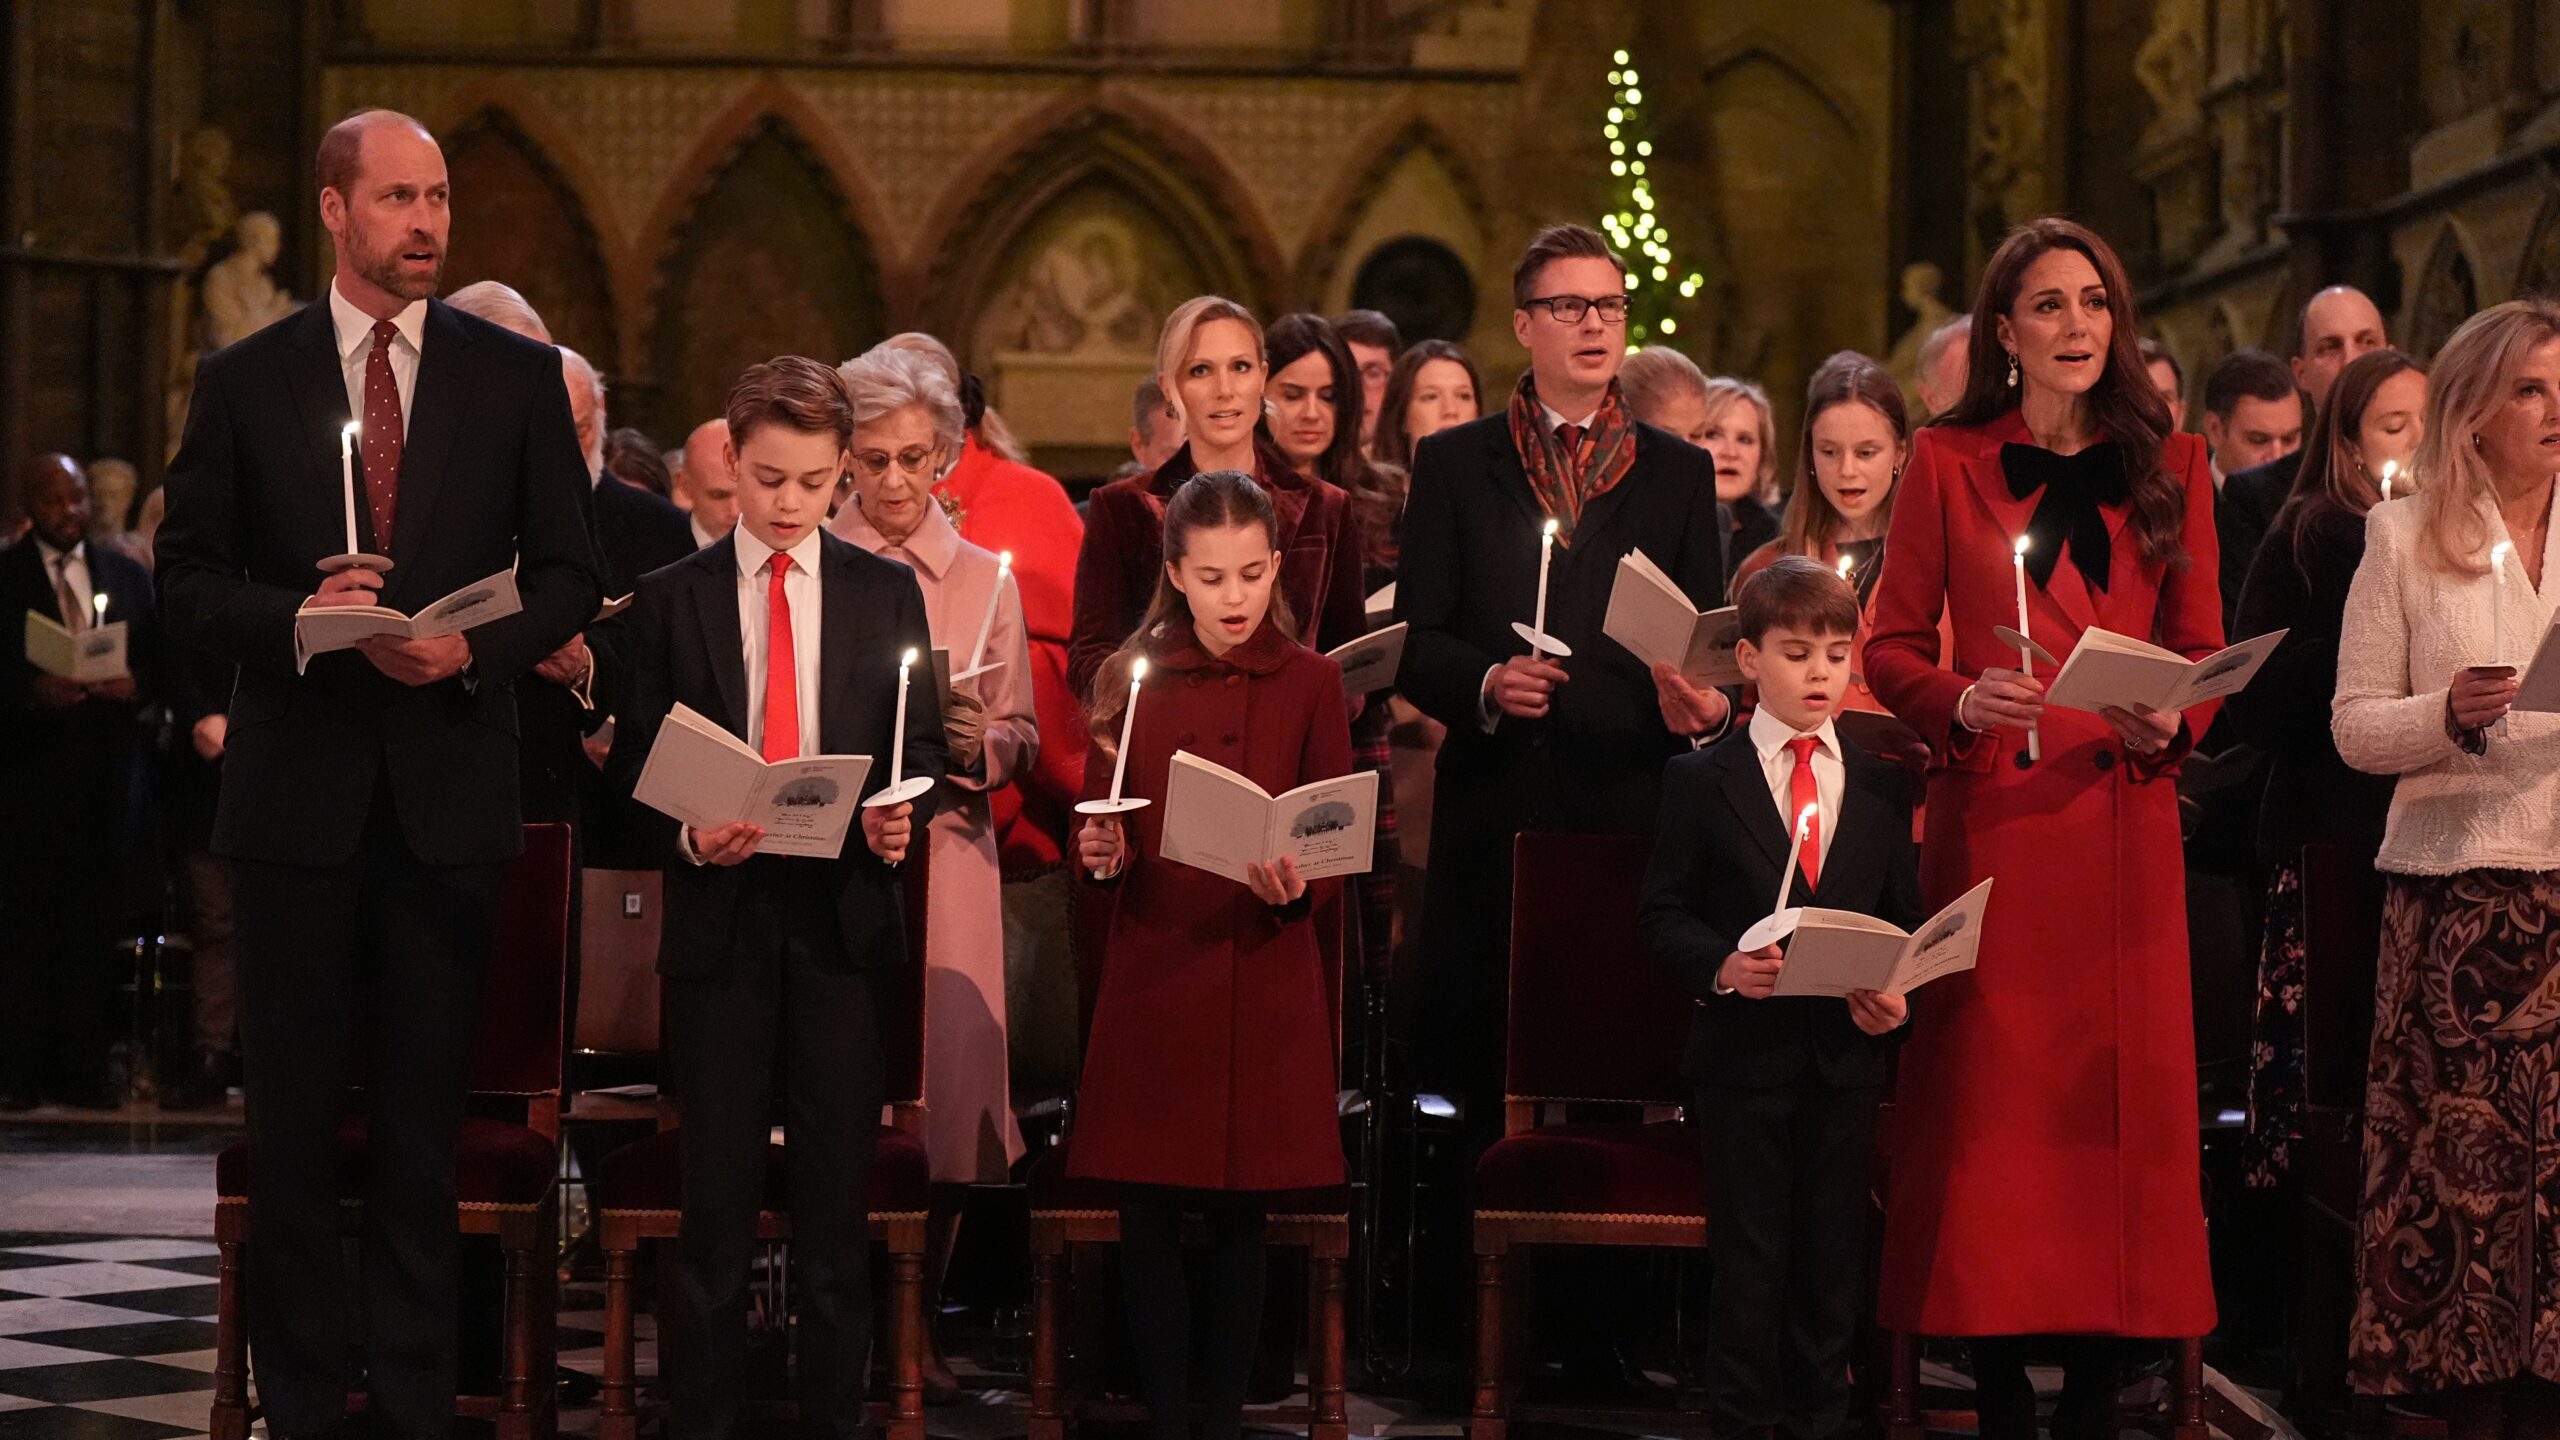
(1593, 1021)
(506, 1170)
(638, 1196)
(1067, 1212)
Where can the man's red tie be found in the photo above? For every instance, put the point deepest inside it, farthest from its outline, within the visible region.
(1802, 792)
(380, 439)
(1569, 438)
(781, 671)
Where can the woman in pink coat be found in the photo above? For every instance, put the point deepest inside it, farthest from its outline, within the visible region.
(906, 421)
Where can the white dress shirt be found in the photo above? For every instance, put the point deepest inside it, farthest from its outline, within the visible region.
(702, 539)
(801, 587)
(74, 567)
(1769, 736)
(355, 346)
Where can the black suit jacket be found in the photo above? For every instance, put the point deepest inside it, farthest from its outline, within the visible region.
(681, 646)
(490, 476)
(2244, 509)
(78, 765)
(1469, 568)
(1715, 869)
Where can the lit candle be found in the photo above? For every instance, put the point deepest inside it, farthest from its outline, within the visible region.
(987, 625)
(347, 471)
(1546, 554)
(2390, 468)
(2026, 655)
(1847, 564)
(1128, 721)
(1787, 872)
(2498, 605)
(99, 601)
(898, 744)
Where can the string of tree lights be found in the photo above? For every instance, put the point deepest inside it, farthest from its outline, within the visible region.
(1655, 299)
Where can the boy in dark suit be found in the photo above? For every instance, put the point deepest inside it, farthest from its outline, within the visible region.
(1787, 1088)
(790, 638)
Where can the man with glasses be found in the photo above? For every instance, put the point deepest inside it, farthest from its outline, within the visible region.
(1536, 742)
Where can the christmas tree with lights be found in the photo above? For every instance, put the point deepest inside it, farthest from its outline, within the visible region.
(1659, 288)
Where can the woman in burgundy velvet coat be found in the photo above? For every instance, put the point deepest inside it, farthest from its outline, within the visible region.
(1210, 1072)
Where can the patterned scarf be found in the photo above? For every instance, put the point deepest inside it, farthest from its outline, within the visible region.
(1565, 483)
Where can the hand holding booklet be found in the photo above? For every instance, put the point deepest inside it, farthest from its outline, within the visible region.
(2106, 668)
(319, 629)
(1219, 821)
(707, 778)
(92, 657)
(1651, 616)
(1836, 951)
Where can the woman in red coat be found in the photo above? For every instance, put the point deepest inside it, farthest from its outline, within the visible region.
(2045, 1168)
(1209, 1076)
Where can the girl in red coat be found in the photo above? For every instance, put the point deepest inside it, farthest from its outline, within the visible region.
(1209, 1075)
(2044, 1177)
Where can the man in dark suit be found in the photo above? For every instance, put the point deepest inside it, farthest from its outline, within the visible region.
(789, 639)
(2337, 325)
(1787, 1087)
(76, 751)
(1537, 743)
(369, 797)
(2253, 418)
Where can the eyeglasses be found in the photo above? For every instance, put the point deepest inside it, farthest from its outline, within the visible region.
(915, 461)
(1569, 309)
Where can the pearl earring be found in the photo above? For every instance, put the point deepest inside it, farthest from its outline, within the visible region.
(2013, 369)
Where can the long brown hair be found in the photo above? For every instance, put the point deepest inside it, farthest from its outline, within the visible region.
(2332, 476)
(1377, 492)
(2123, 402)
(1847, 378)
(1392, 445)
(1211, 501)
(2470, 380)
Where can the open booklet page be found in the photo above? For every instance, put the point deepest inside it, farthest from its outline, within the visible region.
(706, 777)
(1369, 663)
(2106, 668)
(319, 629)
(1219, 821)
(1653, 619)
(93, 656)
(2538, 688)
(1836, 951)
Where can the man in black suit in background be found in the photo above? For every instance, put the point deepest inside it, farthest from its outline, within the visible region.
(75, 750)
(369, 798)
(2338, 324)
(2254, 415)
(1536, 743)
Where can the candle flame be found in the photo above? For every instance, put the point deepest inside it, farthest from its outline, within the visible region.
(1804, 821)
(100, 600)
(352, 430)
(1004, 561)
(1138, 671)
(1552, 528)
(2018, 547)
(1846, 564)
(2498, 555)
(907, 659)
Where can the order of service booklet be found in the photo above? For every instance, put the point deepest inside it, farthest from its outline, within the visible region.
(1219, 821)
(2537, 688)
(1833, 952)
(1369, 664)
(2106, 668)
(94, 655)
(707, 777)
(1649, 614)
(319, 629)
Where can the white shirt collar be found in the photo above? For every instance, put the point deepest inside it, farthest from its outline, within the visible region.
(1769, 735)
(355, 328)
(51, 557)
(1556, 418)
(753, 554)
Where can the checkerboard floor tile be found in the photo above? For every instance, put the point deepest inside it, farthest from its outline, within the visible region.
(100, 1340)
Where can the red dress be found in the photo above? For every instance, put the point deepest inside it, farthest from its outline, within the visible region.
(1211, 1063)
(1006, 506)
(2044, 1172)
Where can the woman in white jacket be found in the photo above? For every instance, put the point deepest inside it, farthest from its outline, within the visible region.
(2459, 1274)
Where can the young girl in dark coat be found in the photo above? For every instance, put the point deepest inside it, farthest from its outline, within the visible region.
(1209, 1077)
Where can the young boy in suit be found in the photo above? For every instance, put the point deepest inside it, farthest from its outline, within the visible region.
(790, 638)
(1787, 1088)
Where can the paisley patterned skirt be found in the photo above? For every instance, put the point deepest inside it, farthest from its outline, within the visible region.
(2459, 1256)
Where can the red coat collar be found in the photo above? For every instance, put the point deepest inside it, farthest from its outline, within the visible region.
(1177, 646)
(1289, 489)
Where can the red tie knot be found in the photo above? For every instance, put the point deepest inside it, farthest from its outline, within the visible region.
(1803, 745)
(781, 564)
(383, 333)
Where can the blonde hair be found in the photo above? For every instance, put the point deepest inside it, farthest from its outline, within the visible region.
(1723, 393)
(2468, 382)
(1656, 374)
(1182, 326)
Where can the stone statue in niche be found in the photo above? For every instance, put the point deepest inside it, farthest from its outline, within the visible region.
(1921, 281)
(1079, 297)
(202, 211)
(2171, 66)
(240, 297)
(112, 484)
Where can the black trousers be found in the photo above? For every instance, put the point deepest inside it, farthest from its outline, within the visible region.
(389, 948)
(785, 1000)
(1787, 1199)
(58, 971)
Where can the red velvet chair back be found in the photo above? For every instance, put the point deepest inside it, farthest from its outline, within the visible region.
(1592, 1016)
(902, 987)
(2342, 945)
(523, 995)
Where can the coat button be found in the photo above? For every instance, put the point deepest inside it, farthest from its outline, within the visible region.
(1227, 739)
(1195, 682)
(1235, 679)
(2105, 760)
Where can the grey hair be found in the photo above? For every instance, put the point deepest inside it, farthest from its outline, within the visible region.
(1939, 339)
(501, 305)
(576, 364)
(890, 377)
